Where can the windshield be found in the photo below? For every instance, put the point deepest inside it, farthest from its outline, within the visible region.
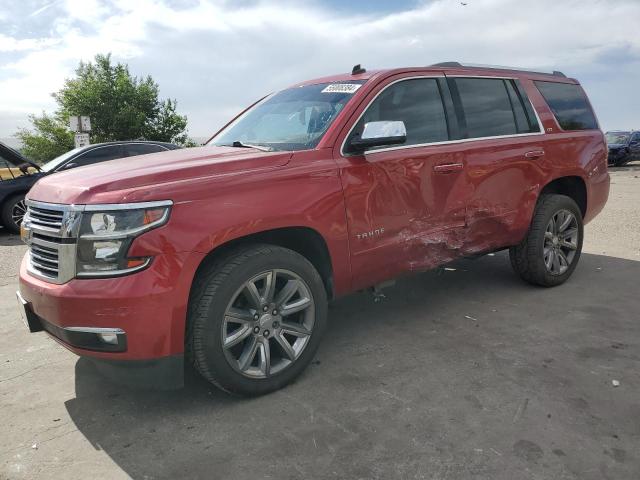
(56, 162)
(293, 119)
(617, 137)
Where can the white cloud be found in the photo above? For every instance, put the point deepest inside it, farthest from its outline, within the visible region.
(215, 56)
(10, 44)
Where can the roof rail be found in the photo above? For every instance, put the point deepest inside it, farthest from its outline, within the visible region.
(496, 67)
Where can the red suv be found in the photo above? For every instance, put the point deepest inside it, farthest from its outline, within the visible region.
(227, 255)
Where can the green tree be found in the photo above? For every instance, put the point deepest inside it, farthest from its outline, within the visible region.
(121, 107)
(52, 138)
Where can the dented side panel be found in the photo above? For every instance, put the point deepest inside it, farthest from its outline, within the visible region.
(402, 215)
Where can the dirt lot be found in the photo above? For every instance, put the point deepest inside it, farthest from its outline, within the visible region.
(466, 373)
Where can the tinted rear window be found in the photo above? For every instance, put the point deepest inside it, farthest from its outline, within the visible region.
(569, 105)
(143, 148)
(486, 106)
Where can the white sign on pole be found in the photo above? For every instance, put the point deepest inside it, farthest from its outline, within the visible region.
(74, 124)
(82, 140)
(80, 124)
(85, 124)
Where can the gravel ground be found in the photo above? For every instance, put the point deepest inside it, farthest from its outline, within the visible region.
(467, 373)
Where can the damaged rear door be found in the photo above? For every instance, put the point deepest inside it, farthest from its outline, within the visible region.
(504, 154)
(405, 204)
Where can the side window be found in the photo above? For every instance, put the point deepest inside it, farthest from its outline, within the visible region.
(97, 155)
(418, 103)
(636, 137)
(487, 109)
(142, 149)
(526, 121)
(569, 105)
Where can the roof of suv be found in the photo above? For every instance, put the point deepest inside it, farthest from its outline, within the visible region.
(451, 68)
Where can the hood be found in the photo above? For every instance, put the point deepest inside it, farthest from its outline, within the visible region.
(14, 157)
(83, 184)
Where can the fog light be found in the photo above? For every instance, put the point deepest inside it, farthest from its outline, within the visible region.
(110, 338)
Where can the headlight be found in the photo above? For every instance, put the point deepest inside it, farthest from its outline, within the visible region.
(106, 235)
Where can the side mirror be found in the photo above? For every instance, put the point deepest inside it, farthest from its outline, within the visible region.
(379, 134)
(69, 165)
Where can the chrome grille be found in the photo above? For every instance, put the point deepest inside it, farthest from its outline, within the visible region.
(44, 259)
(46, 218)
(51, 231)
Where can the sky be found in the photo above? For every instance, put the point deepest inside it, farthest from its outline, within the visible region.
(217, 56)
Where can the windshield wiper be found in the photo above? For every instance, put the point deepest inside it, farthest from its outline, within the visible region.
(249, 145)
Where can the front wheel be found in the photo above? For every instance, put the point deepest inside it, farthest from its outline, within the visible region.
(255, 319)
(550, 252)
(13, 212)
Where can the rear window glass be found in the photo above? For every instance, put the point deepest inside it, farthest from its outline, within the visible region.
(569, 105)
(486, 106)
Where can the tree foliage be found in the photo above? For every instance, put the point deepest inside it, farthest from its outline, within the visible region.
(121, 107)
(52, 138)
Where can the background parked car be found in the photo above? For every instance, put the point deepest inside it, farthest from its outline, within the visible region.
(624, 147)
(18, 174)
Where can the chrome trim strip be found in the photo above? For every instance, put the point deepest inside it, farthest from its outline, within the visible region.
(97, 206)
(114, 273)
(450, 142)
(117, 331)
(125, 206)
(49, 206)
(446, 142)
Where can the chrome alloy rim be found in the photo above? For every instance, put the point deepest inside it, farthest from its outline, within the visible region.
(18, 212)
(268, 323)
(560, 242)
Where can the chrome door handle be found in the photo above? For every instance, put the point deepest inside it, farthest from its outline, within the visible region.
(448, 167)
(534, 154)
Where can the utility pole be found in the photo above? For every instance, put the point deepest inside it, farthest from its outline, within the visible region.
(82, 126)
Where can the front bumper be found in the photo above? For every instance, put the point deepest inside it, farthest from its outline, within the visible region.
(85, 338)
(146, 310)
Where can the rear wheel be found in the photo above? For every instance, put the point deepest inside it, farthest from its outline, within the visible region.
(255, 319)
(551, 250)
(13, 212)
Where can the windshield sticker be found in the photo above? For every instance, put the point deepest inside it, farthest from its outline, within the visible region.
(341, 88)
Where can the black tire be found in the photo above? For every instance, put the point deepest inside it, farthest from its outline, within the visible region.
(7, 214)
(528, 258)
(215, 287)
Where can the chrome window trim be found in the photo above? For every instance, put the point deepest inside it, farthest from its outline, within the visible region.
(445, 142)
(450, 142)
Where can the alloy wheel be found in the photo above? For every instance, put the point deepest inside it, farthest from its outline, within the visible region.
(268, 323)
(560, 242)
(18, 212)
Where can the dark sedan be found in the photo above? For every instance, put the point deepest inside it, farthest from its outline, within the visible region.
(18, 174)
(624, 147)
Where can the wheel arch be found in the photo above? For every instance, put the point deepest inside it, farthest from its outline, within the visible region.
(573, 187)
(306, 241)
